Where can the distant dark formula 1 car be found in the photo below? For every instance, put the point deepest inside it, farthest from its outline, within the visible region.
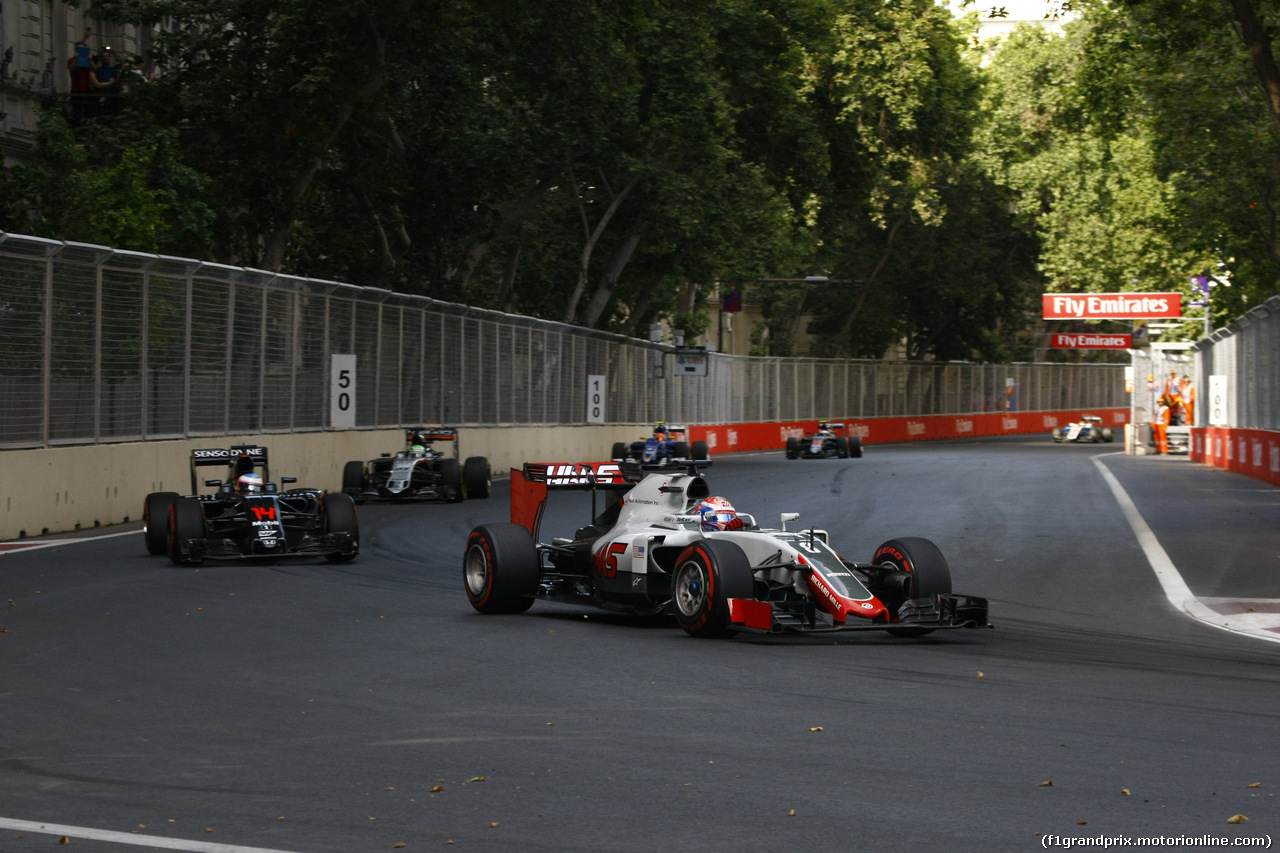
(831, 439)
(419, 472)
(1088, 429)
(247, 517)
(664, 545)
(669, 445)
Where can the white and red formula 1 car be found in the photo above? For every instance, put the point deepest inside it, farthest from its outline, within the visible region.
(646, 553)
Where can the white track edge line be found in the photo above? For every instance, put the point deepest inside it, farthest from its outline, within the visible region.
(1175, 588)
(130, 838)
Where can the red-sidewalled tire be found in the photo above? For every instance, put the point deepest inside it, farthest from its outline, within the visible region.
(501, 568)
(707, 574)
(921, 559)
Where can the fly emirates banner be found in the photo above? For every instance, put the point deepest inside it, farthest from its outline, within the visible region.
(1111, 306)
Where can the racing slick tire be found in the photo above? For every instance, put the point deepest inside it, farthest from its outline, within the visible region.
(186, 522)
(619, 451)
(475, 477)
(500, 568)
(1058, 435)
(353, 478)
(793, 447)
(155, 520)
(451, 480)
(855, 446)
(842, 447)
(680, 450)
(1108, 435)
(707, 574)
(339, 511)
(921, 559)
(699, 451)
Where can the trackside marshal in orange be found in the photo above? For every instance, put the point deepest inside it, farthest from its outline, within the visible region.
(1103, 306)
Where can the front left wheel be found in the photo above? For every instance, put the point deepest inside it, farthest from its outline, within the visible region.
(707, 574)
(186, 523)
(501, 569)
(475, 477)
(926, 568)
(339, 512)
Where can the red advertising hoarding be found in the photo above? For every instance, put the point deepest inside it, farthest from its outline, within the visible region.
(1090, 340)
(1103, 306)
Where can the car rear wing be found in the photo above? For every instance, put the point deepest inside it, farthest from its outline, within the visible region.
(529, 485)
(239, 458)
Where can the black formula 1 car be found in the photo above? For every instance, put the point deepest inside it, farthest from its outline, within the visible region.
(419, 472)
(831, 439)
(1088, 429)
(247, 517)
(668, 445)
(648, 553)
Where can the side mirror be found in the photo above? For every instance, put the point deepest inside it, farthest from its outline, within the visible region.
(288, 479)
(789, 516)
(214, 483)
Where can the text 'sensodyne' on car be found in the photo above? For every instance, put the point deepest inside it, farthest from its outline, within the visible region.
(831, 439)
(669, 445)
(419, 472)
(663, 544)
(247, 517)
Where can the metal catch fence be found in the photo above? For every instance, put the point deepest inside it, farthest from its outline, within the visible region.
(1237, 369)
(100, 345)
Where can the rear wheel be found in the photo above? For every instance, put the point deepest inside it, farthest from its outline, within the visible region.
(155, 521)
(339, 512)
(353, 478)
(1108, 435)
(707, 575)
(793, 447)
(451, 480)
(186, 522)
(475, 477)
(500, 568)
(1057, 434)
(699, 450)
(619, 450)
(928, 570)
(855, 446)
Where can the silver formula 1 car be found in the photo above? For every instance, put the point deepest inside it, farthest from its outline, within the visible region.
(647, 553)
(420, 472)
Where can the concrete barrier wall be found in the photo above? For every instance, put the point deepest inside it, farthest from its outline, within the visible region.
(58, 489)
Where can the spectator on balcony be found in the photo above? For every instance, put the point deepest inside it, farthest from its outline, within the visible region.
(106, 76)
(81, 65)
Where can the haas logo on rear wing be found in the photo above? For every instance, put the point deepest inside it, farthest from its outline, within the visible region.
(581, 475)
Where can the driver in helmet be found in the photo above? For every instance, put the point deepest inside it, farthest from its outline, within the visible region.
(417, 449)
(249, 483)
(715, 513)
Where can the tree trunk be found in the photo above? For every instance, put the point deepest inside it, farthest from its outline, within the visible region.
(591, 238)
(600, 299)
(847, 326)
(512, 217)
